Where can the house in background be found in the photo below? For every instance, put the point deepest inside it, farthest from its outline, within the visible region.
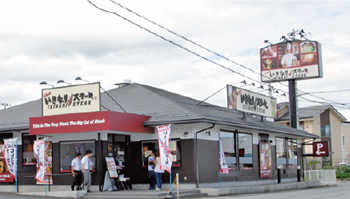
(326, 122)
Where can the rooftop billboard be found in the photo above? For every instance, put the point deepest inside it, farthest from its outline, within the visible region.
(71, 99)
(291, 60)
(249, 102)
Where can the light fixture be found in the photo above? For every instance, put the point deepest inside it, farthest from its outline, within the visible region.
(44, 83)
(79, 78)
(61, 81)
(267, 41)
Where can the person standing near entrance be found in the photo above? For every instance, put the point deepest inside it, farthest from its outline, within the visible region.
(76, 171)
(151, 176)
(86, 165)
(158, 172)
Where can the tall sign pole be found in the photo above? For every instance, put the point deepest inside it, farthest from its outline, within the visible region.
(293, 106)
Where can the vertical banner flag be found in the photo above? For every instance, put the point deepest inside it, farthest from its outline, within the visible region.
(11, 155)
(164, 133)
(39, 153)
(223, 163)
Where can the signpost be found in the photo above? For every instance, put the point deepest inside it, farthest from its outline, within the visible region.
(320, 149)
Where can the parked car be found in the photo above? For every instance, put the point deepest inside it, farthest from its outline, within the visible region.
(343, 164)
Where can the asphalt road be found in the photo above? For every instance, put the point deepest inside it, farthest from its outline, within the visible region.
(341, 191)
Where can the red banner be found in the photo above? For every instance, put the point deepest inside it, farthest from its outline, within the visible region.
(87, 122)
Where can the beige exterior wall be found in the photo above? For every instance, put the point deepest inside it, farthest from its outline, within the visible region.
(345, 130)
(314, 127)
(335, 125)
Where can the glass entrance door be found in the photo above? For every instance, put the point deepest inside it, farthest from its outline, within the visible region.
(118, 149)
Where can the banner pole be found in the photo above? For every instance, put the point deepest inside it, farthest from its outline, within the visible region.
(45, 166)
(16, 166)
(170, 158)
(219, 162)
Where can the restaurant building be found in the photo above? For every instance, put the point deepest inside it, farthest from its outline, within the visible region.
(121, 124)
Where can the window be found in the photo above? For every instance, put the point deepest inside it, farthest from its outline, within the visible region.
(343, 142)
(148, 146)
(228, 145)
(292, 154)
(281, 153)
(286, 148)
(68, 151)
(325, 131)
(245, 149)
(28, 154)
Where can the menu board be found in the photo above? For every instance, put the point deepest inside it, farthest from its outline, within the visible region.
(112, 167)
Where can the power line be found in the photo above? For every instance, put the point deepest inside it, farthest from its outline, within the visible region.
(184, 48)
(189, 40)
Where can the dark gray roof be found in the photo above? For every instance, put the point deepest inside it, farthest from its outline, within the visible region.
(310, 112)
(164, 107)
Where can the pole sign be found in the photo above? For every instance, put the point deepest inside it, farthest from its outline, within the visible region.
(291, 60)
(320, 149)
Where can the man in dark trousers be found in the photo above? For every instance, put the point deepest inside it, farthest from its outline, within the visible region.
(76, 171)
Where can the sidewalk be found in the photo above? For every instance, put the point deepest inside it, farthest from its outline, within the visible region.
(198, 193)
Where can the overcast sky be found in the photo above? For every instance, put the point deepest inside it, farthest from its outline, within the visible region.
(63, 39)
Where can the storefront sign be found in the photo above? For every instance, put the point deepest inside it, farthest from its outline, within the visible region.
(291, 60)
(320, 149)
(87, 122)
(164, 134)
(71, 99)
(11, 155)
(223, 163)
(5, 175)
(249, 102)
(265, 160)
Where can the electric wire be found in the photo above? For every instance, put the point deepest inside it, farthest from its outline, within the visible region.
(195, 43)
(184, 48)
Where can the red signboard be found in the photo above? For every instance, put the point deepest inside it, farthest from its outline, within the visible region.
(87, 122)
(320, 149)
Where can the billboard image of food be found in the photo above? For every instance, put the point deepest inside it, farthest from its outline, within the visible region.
(291, 60)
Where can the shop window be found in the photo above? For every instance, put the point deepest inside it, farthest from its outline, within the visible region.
(28, 154)
(228, 145)
(148, 146)
(292, 154)
(245, 151)
(325, 131)
(281, 153)
(68, 151)
(343, 142)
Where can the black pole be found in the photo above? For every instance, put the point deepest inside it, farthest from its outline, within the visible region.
(293, 113)
(293, 120)
(99, 161)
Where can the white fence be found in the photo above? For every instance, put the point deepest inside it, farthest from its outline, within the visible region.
(326, 177)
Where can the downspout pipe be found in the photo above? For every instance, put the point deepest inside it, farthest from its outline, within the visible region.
(197, 172)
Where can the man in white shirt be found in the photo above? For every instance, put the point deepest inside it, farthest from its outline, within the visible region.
(76, 171)
(87, 169)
